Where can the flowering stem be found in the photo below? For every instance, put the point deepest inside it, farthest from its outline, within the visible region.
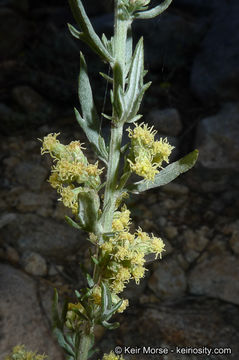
(85, 343)
(120, 39)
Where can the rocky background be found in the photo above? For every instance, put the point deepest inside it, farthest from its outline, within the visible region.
(191, 297)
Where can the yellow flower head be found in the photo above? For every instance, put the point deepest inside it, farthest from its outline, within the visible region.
(70, 171)
(51, 145)
(123, 275)
(146, 155)
(112, 356)
(117, 286)
(124, 305)
(19, 352)
(54, 180)
(107, 247)
(122, 253)
(138, 273)
(69, 197)
(137, 258)
(142, 134)
(93, 170)
(144, 167)
(161, 151)
(121, 219)
(157, 246)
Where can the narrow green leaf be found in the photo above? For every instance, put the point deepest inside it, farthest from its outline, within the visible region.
(64, 311)
(106, 301)
(90, 122)
(74, 32)
(107, 314)
(80, 314)
(133, 119)
(62, 342)
(86, 98)
(95, 261)
(149, 14)
(90, 281)
(118, 100)
(72, 223)
(107, 77)
(167, 174)
(55, 314)
(132, 115)
(78, 295)
(110, 326)
(135, 80)
(89, 204)
(90, 36)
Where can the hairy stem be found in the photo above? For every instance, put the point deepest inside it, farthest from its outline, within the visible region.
(85, 343)
(120, 40)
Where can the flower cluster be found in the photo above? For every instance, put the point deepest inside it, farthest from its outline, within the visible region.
(20, 353)
(73, 321)
(71, 170)
(112, 356)
(124, 253)
(147, 155)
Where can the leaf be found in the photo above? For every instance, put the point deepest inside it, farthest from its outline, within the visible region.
(110, 326)
(64, 311)
(55, 315)
(62, 342)
(88, 207)
(78, 295)
(149, 14)
(135, 89)
(132, 116)
(107, 77)
(80, 314)
(107, 314)
(90, 122)
(118, 99)
(72, 223)
(94, 260)
(105, 297)
(90, 281)
(88, 34)
(167, 174)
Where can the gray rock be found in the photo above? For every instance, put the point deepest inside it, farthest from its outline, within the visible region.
(190, 324)
(29, 201)
(168, 280)
(21, 320)
(29, 100)
(44, 236)
(34, 264)
(216, 276)
(217, 139)
(12, 28)
(31, 175)
(166, 121)
(215, 72)
(6, 219)
(193, 243)
(12, 255)
(170, 231)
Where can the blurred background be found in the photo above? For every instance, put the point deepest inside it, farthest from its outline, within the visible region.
(191, 297)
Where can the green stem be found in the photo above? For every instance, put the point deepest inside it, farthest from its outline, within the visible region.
(85, 343)
(111, 192)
